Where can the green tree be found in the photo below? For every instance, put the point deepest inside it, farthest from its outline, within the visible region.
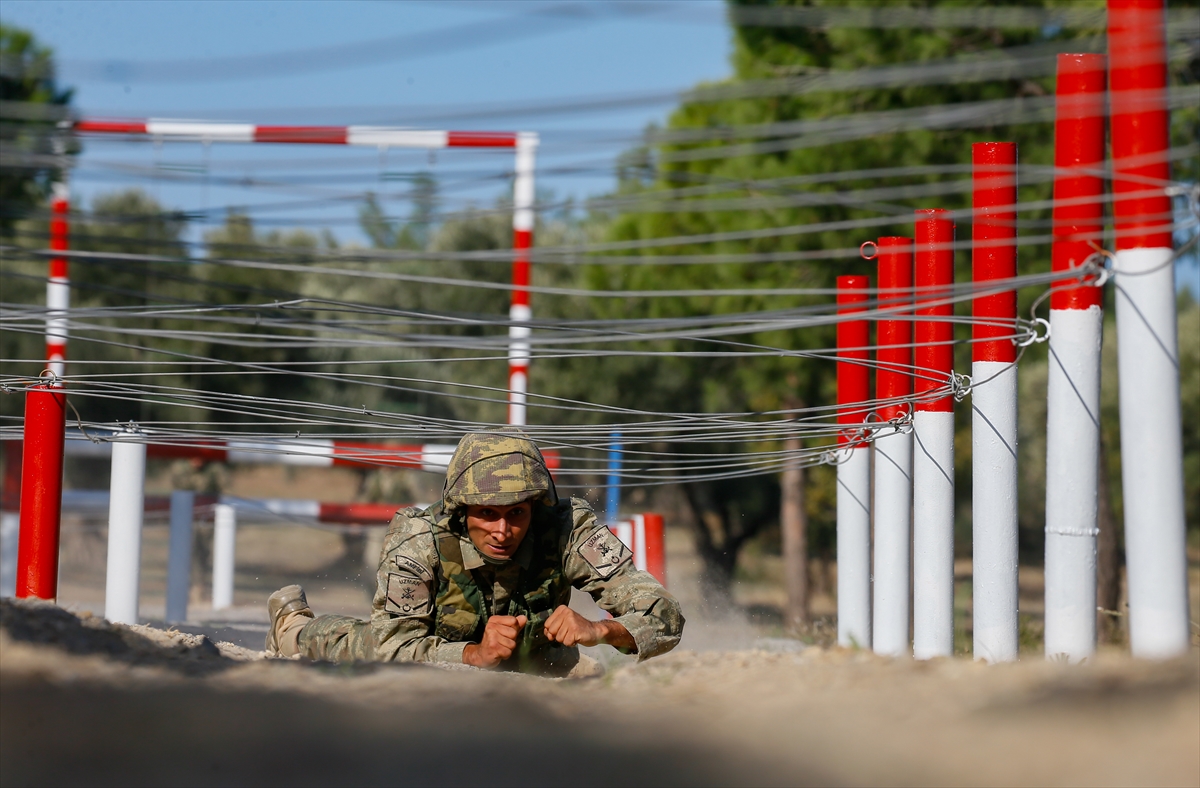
(33, 149)
(710, 147)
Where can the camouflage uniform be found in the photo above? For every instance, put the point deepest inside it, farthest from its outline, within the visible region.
(435, 592)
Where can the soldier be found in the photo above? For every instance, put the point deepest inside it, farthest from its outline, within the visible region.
(484, 577)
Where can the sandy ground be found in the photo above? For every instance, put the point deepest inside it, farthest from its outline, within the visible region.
(89, 703)
(83, 702)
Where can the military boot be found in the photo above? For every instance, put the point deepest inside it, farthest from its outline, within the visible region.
(289, 612)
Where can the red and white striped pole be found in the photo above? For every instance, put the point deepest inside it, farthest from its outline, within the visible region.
(58, 288)
(933, 432)
(41, 492)
(1148, 357)
(893, 452)
(524, 143)
(1073, 390)
(994, 404)
(520, 313)
(854, 469)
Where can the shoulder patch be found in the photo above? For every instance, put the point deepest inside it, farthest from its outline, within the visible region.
(604, 552)
(412, 566)
(408, 595)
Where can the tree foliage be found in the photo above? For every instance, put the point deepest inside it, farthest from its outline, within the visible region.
(32, 147)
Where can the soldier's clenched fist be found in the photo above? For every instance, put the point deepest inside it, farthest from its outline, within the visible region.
(499, 642)
(571, 629)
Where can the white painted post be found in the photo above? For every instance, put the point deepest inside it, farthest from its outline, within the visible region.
(854, 548)
(933, 534)
(994, 404)
(10, 534)
(1148, 348)
(1152, 448)
(893, 543)
(1072, 454)
(125, 508)
(179, 556)
(224, 543)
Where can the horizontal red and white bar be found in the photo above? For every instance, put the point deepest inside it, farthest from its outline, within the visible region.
(373, 136)
(252, 510)
(312, 452)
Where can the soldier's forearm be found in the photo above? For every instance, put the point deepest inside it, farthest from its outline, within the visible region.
(616, 635)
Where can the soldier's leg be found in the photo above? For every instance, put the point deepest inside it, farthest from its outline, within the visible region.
(336, 639)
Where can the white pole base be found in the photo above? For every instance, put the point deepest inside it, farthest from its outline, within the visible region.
(224, 543)
(854, 548)
(994, 509)
(893, 543)
(10, 535)
(1152, 453)
(179, 555)
(125, 508)
(1072, 459)
(933, 534)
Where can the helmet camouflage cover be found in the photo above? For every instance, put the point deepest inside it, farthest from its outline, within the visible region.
(498, 468)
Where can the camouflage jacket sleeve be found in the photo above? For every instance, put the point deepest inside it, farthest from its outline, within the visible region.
(598, 563)
(402, 614)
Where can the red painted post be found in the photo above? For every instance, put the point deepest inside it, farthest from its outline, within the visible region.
(934, 335)
(656, 546)
(994, 404)
(41, 492)
(854, 468)
(853, 338)
(933, 429)
(1148, 346)
(1078, 223)
(893, 374)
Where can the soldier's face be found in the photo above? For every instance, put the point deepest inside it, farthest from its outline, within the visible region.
(497, 531)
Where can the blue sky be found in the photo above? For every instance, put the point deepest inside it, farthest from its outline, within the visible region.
(474, 65)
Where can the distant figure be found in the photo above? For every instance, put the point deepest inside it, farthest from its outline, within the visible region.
(484, 578)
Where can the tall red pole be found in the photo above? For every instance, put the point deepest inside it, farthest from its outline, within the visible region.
(893, 452)
(994, 404)
(1073, 386)
(933, 430)
(1148, 354)
(41, 492)
(854, 468)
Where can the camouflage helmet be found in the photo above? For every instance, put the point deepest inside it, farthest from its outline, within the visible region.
(499, 468)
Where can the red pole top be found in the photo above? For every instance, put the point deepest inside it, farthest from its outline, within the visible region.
(994, 252)
(893, 376)
(934, 276)
(853, 336)
(1078, 182)
(1137, 52)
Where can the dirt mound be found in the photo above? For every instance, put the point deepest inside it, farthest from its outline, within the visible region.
(46, 624)
(86, 702)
